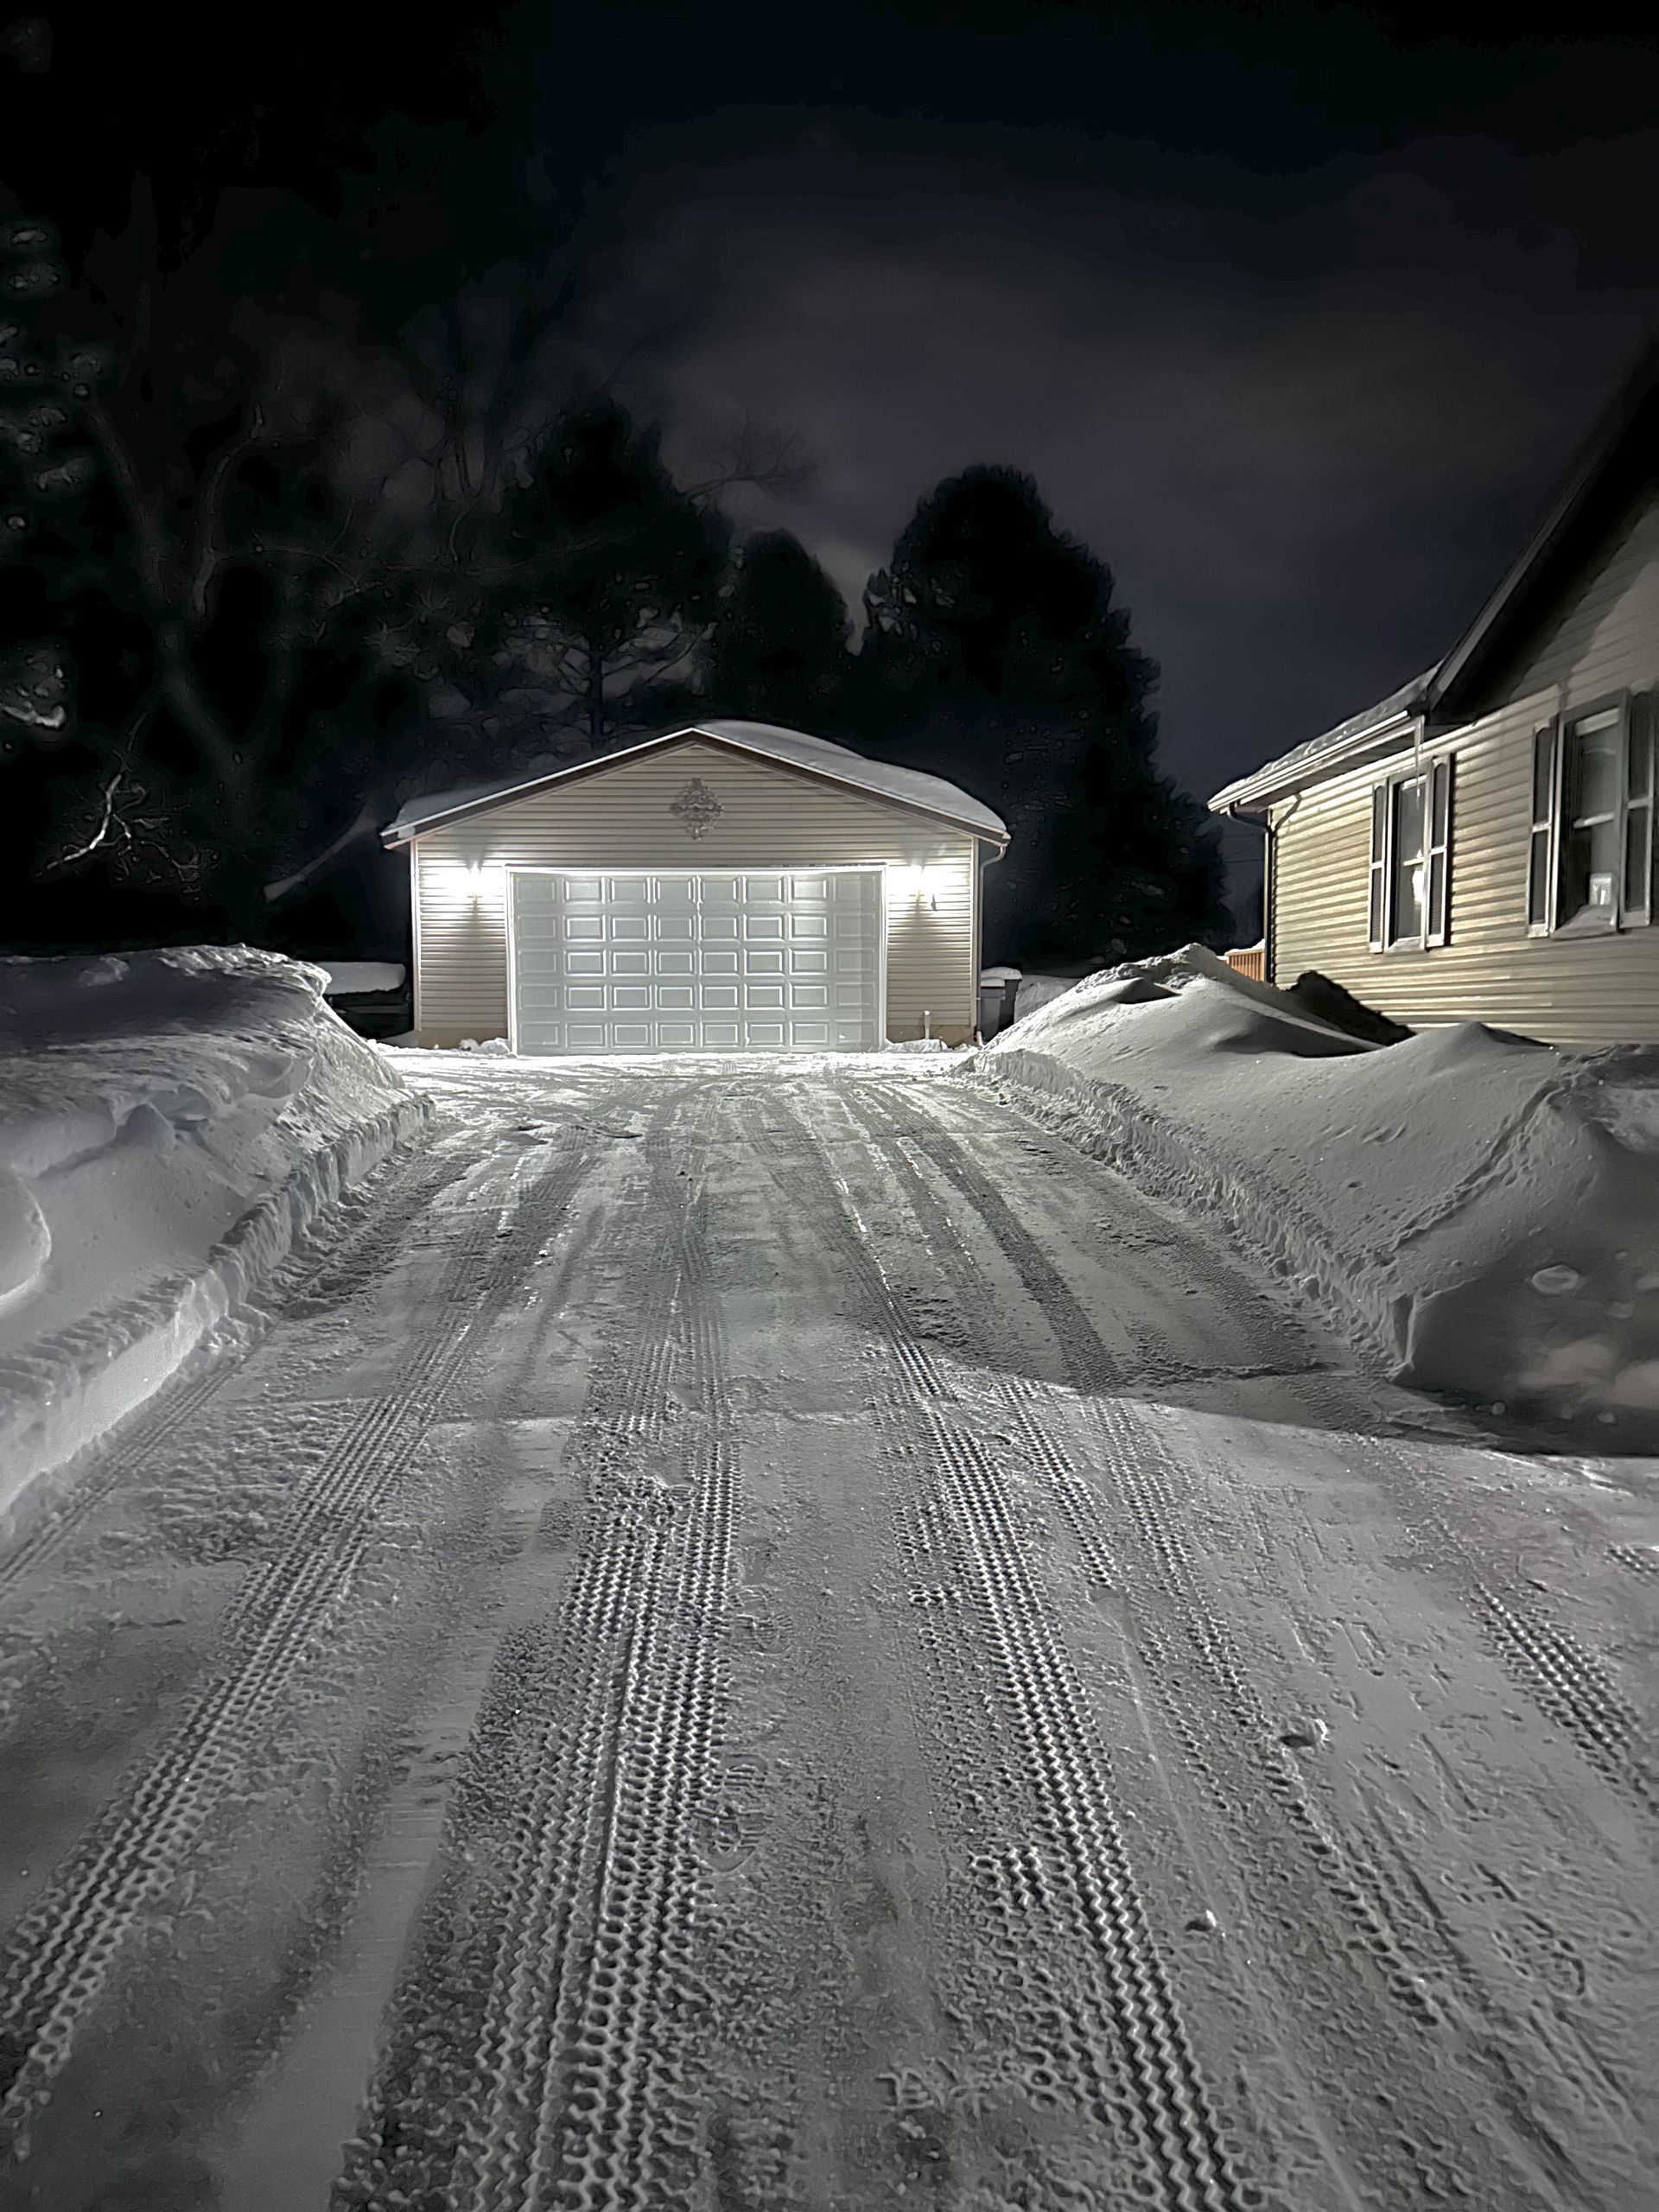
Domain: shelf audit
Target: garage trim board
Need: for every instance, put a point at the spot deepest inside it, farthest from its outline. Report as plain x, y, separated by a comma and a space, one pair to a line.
706, 959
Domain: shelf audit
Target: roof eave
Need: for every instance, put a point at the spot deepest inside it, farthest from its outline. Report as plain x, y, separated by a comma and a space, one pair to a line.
1598, 451
398, 834
1275, 782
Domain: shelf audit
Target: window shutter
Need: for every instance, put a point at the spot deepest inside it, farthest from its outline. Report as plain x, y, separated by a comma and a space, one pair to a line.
1439, 851
1541, 851
1636, 903
1379, 864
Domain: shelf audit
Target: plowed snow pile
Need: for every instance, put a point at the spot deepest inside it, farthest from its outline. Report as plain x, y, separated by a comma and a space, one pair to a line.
1481, 1209
169, 1122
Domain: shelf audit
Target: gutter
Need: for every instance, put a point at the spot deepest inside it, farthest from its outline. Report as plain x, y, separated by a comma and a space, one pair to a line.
1380, 737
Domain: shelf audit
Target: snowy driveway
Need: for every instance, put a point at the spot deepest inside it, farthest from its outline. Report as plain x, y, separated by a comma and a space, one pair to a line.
767, 1639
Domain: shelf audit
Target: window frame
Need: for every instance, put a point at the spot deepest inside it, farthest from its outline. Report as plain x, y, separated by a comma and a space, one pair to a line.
1637, 725
1435, 772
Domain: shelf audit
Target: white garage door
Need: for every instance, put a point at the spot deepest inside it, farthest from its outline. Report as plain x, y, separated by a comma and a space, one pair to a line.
695, 961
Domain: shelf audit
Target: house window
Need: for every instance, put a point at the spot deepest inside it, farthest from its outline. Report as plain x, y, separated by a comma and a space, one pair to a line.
1411, 846
1590, 864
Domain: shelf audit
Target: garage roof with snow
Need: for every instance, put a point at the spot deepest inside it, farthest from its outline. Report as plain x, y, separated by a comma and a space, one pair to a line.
793, 748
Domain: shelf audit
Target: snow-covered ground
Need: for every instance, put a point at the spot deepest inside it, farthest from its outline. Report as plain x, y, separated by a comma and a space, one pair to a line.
170, 1122
1482, 1211
765, 1634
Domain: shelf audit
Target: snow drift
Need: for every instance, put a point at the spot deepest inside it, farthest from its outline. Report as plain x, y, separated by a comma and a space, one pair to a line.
1481, 1211
170, 1123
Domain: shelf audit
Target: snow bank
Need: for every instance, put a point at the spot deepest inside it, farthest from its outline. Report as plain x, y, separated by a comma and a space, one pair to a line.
170, 1123
1033, 991
1481, 1211
346, 976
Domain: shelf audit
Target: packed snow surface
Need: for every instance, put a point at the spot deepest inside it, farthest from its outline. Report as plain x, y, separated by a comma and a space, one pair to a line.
758, 1633
1483, 1209
169, 1122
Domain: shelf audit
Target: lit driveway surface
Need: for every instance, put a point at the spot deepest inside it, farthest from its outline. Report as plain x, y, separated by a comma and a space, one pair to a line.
766, 1636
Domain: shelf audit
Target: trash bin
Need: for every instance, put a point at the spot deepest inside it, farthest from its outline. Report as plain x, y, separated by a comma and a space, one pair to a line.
996, 996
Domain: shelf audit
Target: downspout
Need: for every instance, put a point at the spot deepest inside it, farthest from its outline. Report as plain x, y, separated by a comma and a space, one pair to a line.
986, 860
1262, 818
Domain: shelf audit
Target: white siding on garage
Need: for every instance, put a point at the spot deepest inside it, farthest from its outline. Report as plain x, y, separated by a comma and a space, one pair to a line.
619, 817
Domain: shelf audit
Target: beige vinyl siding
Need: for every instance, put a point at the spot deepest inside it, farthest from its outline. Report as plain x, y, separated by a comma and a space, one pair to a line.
1565, 989
619, 817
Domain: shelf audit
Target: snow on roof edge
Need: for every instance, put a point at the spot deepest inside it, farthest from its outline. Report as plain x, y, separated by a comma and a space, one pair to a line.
1302, 760
819, 755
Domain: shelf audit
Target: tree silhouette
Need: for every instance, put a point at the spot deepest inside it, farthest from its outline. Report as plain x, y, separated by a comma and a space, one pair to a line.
995, 656
616, 569
778, 648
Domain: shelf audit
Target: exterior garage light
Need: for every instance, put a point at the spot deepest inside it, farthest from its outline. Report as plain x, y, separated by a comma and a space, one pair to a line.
916, 883
477, 880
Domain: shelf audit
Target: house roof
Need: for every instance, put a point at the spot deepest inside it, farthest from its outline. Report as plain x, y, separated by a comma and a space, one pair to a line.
1619, 452
793, 748
1390, 717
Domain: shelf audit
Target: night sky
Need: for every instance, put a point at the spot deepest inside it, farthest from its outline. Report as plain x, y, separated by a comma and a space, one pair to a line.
1294, 321
1296, 314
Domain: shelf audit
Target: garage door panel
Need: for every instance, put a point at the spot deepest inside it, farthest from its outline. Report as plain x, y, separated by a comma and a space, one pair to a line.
686, 961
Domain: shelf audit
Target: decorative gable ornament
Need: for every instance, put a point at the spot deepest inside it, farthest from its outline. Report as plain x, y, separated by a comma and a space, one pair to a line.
697, 807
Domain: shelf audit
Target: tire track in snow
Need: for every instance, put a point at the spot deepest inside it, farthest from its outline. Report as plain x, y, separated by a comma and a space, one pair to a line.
1143, 2073
62, 1953
1568, 1683
300, 1283
539, 2053
1140, 1471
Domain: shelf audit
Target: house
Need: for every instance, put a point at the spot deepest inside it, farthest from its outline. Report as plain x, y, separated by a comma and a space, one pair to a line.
730, 887
1479, 845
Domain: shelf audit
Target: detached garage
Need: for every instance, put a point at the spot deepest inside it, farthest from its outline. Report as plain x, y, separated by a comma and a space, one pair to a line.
727, 887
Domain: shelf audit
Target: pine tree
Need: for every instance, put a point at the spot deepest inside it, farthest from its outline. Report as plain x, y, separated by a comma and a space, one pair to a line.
995, 656
779, 649
618, 568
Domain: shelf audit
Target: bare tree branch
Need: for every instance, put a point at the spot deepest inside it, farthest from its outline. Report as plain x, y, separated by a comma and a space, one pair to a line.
207, 555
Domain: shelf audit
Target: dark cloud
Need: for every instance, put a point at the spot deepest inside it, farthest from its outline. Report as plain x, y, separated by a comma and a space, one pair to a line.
1304, 418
